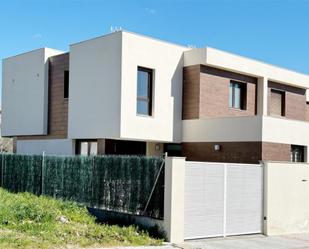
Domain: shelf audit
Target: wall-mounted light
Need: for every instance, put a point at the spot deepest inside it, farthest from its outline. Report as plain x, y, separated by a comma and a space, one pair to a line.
217, 147
157, 147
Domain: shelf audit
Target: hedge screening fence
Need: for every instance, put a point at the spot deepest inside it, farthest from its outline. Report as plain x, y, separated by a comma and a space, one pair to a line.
129, 184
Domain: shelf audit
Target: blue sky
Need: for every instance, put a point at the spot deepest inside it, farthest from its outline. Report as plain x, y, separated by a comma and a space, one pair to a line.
274, 31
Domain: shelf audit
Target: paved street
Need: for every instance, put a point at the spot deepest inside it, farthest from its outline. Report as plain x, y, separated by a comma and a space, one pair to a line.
297, 241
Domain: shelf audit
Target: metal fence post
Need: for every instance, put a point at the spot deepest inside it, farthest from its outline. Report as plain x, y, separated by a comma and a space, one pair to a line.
2, 169
42, 178
224, 199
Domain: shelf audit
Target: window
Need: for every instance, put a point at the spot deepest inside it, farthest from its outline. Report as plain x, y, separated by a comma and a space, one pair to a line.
277, 102
66, 84
86, 147
173, 149
237, 95
297, 153
144, 91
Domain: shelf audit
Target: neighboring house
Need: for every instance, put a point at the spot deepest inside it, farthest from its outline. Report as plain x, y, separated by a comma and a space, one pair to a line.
124, 93
6, 144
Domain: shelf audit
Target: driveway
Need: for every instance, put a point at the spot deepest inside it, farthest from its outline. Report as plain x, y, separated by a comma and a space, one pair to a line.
295, 241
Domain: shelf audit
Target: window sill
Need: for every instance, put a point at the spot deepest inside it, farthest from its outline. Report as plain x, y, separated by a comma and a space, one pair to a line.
144, 116
236, 109
278, 116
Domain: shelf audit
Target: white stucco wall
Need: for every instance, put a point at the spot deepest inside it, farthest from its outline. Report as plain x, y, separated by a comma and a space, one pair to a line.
103, 88
49, 146
174, 198
228, 129
286, 203
281, 130
167, 62
25, 93
242, 129
95, 78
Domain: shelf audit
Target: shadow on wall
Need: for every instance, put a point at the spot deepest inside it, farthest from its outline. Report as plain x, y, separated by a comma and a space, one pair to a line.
176, 90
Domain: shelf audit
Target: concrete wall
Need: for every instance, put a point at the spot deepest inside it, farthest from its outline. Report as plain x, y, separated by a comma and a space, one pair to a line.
286, 198
95, 88
167, 61
25, 93
50, 146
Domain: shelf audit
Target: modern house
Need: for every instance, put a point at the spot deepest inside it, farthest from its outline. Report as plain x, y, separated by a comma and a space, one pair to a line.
125, 93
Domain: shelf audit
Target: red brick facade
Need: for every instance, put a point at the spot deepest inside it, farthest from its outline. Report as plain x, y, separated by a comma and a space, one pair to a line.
295, 101
206, 93
236, 152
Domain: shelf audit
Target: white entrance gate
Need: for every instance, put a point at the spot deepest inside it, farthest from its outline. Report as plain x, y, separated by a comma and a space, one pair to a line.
222, 199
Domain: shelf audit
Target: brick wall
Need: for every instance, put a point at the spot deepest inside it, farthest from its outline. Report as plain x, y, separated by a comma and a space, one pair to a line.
191, 92
236, 152
276, 152
307, 112
206, 93
295, 100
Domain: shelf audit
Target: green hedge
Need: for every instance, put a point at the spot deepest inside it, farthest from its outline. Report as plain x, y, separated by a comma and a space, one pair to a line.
117, 183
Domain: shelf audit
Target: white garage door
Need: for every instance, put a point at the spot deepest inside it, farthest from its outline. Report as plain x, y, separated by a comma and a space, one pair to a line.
222, 199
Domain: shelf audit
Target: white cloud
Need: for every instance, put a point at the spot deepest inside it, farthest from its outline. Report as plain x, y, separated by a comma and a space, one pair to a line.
150, 10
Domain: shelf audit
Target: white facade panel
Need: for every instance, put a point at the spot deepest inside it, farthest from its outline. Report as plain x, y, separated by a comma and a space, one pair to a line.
281, 130
166, 60
229, 129
95, 88
49, 146
25, 93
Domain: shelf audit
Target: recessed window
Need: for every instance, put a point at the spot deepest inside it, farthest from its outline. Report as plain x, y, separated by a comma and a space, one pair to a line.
277, 102
86, 147
297, 153
144, 91
237, 95
66, 84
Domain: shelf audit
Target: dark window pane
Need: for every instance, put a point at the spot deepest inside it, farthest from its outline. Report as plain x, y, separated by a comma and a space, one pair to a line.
66, 84
297, 153
142, 107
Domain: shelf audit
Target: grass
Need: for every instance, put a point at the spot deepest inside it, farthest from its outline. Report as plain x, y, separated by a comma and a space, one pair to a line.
28, 221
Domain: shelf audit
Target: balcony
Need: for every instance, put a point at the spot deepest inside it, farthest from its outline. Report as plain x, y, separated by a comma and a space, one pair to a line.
245, 129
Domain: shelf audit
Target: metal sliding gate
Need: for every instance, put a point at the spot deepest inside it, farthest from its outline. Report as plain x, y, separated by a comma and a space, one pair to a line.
222, 199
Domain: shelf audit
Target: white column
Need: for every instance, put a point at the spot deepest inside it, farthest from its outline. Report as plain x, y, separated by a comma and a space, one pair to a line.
174, 198
262, 95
